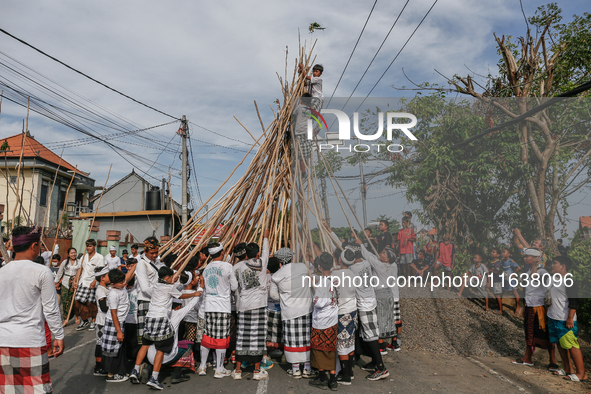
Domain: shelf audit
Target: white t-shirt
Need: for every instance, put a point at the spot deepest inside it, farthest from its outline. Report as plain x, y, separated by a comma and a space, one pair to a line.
252, 283
482, 271
326, 308
112, 262
119, 300
559, 309
272, 304
191, 316
132, 314
161, 302
220, 281
316, 90
28, 299
382, 271
295, 298
299, 119
101, 292
366, 295
146, 274
534, 295
346, 291
88, 267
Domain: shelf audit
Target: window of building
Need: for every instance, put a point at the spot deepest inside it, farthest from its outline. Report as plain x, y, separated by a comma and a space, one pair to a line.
13, 180
43, 197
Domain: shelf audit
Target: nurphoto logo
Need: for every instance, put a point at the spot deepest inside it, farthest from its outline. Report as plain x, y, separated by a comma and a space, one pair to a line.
345, 130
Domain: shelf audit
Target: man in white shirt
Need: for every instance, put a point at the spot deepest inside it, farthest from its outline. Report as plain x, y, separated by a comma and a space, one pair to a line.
536, 334
25, 307
220, 281
85, 286
562, 321
146, 275
134, 252
252, 308
296, 312
112, 260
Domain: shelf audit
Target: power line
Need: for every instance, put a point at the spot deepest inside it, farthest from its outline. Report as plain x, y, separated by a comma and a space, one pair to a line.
85, 75
221, 135
400, 51
376, 54
352, 52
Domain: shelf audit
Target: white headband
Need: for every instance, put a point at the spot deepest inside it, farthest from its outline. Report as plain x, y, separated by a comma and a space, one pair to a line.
215, 250
104, 271
112, 248
344, 259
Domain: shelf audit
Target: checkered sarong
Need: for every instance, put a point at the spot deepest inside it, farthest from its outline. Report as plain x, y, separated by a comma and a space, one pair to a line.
157, 329
110, 345
252, 332
296, 333
386, 322
274, 329
217, 330
305, 148
368, 321
24, 370
396, 311
85, 294
142, 311
346, 333
99, 334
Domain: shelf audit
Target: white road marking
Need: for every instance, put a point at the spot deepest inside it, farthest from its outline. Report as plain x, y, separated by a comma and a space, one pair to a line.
498, 375
262, 386
79, 346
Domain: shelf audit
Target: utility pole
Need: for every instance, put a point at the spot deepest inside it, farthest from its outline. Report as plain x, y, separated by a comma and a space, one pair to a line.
183, 131
363, 193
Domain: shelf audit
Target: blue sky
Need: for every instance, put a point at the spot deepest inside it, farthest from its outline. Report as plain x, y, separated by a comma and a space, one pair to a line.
210, 60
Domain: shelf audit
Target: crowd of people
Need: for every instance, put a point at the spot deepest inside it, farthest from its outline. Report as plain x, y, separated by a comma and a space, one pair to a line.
249, 305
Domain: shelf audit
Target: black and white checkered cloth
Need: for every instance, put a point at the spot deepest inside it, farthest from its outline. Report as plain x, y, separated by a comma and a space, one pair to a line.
368, 322
252, 332
274, 328
110, 345
157, 329
85, 294
142, 311
296, 332
397, 316
386, 321
217, 325
99, 334
305, 148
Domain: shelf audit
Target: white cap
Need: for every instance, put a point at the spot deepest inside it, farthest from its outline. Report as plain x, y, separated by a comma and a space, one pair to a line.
112, 248
532, 252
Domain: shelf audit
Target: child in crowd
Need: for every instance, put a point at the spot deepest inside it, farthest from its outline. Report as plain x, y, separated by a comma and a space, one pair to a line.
480, 271
131, 342
510, 267
102, 292
420, 266
314, 84
445, 256
274, 326
113, 345
347, 307
494, 266
158, 330
407, 238
323, 338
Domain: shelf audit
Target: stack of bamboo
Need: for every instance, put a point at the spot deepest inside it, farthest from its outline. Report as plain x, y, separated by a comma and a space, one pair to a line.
273, 194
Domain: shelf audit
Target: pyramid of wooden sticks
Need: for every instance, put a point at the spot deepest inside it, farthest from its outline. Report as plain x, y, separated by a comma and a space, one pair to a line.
273, 194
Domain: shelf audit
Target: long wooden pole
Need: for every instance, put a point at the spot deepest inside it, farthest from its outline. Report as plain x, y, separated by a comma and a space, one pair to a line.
86, 253
59, 224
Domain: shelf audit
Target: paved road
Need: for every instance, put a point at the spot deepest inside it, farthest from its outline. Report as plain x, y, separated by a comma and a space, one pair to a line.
409, 372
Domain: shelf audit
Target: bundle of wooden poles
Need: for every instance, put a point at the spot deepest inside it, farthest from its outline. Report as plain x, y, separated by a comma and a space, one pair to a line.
273, 194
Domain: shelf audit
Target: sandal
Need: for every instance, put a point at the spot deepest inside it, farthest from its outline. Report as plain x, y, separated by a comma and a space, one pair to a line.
574, 378
560, 372
553, 367
521, 362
